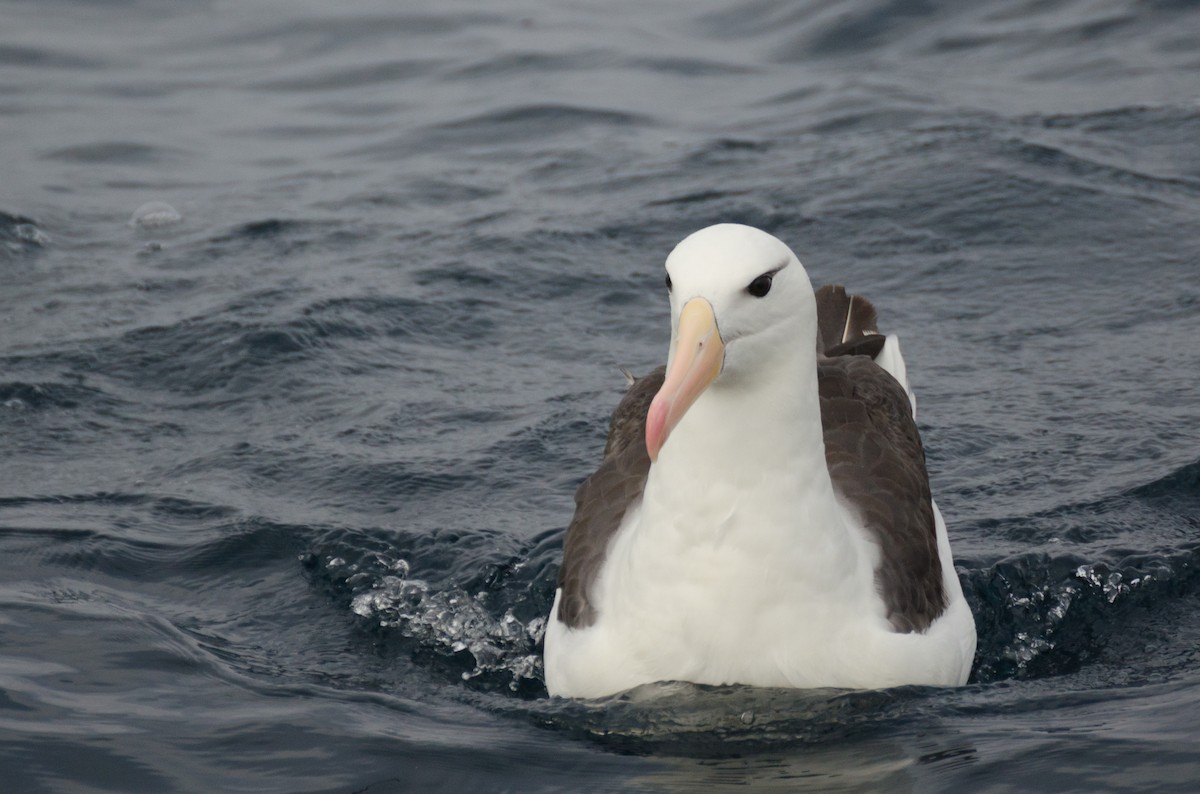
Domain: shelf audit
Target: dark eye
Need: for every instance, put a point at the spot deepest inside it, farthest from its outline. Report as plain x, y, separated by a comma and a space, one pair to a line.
760, 286
668, 282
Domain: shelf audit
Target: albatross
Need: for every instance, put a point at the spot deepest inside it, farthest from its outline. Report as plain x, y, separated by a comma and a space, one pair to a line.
762, 514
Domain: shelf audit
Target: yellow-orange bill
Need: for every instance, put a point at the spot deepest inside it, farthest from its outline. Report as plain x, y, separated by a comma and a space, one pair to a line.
699, 354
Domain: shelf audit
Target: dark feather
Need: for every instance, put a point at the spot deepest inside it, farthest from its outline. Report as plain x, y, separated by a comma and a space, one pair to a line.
603, 498
842, 319
875, 457
877, 464
627, 428
869, 345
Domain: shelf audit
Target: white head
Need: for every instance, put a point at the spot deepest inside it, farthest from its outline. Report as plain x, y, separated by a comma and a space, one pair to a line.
737, 296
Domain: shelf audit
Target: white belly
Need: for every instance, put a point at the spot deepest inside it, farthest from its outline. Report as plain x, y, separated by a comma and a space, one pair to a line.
739, 606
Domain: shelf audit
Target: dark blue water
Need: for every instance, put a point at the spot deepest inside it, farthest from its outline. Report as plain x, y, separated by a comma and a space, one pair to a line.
284, 476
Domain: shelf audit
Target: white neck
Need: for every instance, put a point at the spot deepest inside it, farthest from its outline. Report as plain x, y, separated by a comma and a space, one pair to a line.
747, 449
741, 492
742, 429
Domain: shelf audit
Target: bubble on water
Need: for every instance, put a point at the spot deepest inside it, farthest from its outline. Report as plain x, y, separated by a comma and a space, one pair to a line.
155, 215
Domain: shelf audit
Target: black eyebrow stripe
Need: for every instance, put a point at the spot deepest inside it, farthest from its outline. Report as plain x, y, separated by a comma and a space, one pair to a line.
771, 273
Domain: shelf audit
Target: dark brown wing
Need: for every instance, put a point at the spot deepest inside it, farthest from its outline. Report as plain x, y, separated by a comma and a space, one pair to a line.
875, 457
603, 498
877, 464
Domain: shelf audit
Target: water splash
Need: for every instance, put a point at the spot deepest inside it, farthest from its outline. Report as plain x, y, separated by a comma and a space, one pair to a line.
1045, 607
20, 235
1112, 585
448, 621
1055, 615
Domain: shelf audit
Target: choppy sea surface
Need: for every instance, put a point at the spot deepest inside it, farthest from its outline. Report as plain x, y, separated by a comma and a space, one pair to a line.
286, 457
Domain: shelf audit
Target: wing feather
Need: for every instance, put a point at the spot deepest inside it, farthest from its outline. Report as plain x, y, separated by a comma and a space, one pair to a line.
877, 465
603, 499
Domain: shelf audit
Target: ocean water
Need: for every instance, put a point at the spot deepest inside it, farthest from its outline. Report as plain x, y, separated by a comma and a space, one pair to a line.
313, 314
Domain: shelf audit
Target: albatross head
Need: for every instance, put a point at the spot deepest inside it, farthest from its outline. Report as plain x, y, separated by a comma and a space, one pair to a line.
738, 296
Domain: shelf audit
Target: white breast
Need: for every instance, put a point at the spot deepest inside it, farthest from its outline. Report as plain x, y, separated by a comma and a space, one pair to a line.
727, 609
